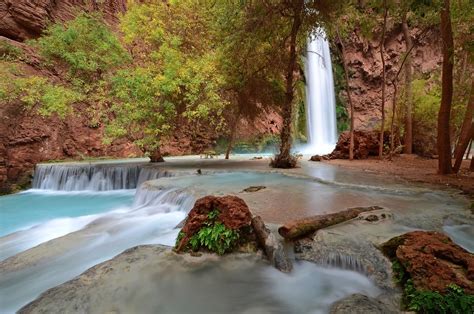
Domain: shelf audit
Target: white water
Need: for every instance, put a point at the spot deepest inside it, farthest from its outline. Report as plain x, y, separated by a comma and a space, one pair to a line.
150, 220
320, 98
93, 177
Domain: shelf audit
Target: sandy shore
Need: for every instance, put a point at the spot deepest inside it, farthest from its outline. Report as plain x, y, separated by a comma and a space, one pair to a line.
414, 169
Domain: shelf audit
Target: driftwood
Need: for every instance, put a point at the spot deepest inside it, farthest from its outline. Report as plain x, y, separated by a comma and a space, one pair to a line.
300, 228
271, 246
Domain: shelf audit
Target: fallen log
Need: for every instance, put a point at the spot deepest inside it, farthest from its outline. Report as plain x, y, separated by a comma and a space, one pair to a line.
271, 246
302, 227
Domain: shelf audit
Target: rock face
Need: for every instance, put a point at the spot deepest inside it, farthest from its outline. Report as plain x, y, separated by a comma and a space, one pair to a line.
233, 214
432, 260
365, 66
27, 139
23, 19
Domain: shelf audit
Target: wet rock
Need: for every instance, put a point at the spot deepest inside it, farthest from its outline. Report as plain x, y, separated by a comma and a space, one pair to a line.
347, 251
302, 227
254, 188
360, 304
376, 215
432, 260
372, 218
273, 248
234, 214
318, 158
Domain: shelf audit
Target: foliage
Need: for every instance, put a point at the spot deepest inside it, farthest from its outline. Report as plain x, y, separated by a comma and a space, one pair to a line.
426, 101
454, 300
9, 52
85, 44
214, 236
342, 115
259, 144
176, 76
423, 301
35, 92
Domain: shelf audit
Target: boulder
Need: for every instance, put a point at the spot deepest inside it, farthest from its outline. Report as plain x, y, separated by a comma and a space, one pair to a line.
360, 304
234, 214
366, 143
432, 260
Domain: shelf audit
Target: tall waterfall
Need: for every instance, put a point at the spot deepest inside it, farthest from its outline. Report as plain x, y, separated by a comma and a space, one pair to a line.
320, 98
106, 177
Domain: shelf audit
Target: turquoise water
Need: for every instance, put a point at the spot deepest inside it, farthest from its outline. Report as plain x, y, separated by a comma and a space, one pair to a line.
26, 209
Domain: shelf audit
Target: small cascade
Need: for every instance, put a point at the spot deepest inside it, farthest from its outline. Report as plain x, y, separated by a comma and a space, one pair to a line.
344, 261
99, 177
320, 97
147, 196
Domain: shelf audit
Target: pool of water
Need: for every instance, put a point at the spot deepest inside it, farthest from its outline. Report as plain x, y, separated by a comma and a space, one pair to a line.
27, 209
53, 236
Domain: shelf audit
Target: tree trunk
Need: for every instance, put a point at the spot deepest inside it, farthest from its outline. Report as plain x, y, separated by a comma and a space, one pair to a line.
408, 136
471, 167
444, 114
306, 226
382, 42
469, 149
466, 132
155, 156
284, 158
348, 89
232, 135
394, 112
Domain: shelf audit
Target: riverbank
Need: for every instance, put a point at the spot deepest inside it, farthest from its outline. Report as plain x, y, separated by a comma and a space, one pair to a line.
413, 169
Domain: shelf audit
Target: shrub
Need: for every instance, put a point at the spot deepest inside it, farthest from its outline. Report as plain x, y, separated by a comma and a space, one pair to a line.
38, 93
9, 52
85, 44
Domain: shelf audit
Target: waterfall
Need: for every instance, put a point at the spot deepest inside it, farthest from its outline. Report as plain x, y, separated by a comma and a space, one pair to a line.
93, 177
320, 98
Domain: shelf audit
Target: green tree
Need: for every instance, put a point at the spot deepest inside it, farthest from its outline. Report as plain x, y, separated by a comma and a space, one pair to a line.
176, 76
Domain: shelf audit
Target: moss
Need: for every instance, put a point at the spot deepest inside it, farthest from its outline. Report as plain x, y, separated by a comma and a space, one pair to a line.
389, 248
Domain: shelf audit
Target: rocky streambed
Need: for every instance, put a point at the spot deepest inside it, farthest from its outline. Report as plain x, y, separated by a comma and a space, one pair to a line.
338, 268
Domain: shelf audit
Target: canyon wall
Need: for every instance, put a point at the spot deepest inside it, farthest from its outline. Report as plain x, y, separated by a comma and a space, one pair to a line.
24, 19
365, 68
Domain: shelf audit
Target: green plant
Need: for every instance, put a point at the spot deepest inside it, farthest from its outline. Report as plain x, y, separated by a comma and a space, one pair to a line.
180, 237
214, 235
454, 300
423, 301
9, 52
37, 93
399, 273
86, 45
342, 115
